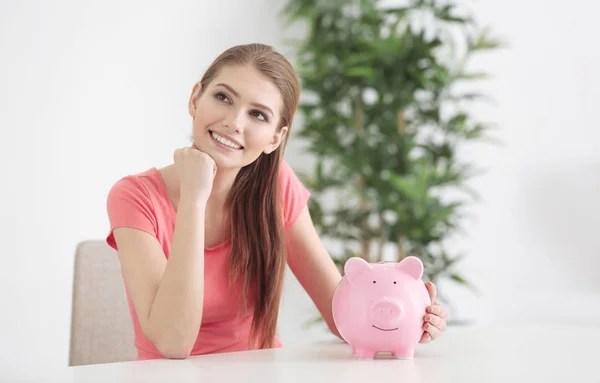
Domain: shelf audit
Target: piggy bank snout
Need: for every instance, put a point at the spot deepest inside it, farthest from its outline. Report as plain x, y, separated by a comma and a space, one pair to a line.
386, 314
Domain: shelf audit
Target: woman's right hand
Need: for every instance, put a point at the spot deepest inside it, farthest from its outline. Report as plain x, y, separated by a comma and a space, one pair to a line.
196, 171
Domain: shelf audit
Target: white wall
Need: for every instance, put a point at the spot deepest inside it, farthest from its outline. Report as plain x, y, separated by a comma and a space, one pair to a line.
533, 241
91, 91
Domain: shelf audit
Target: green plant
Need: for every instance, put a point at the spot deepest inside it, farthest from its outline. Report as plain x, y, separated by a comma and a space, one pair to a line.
384, 118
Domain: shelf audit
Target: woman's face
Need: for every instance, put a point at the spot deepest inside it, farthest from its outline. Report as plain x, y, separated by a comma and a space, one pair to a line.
236, 116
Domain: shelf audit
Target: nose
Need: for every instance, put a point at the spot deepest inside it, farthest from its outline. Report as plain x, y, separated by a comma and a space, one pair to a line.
386, 314
234, 121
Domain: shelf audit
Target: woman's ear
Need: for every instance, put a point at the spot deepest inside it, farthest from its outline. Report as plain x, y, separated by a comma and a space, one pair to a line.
277, 139
196, 92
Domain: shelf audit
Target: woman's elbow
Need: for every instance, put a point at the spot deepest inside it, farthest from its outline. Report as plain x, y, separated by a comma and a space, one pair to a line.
176, 354
173, 350
170, 346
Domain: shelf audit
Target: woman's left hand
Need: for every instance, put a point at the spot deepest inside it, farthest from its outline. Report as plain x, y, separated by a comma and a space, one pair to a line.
435, 319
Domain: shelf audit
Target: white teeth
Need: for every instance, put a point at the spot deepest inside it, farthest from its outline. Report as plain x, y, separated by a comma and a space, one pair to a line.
225, 141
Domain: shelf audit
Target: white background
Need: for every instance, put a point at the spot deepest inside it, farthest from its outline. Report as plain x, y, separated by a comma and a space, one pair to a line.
91, 91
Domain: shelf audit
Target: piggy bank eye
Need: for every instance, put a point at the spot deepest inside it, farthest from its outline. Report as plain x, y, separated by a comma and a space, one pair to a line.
394, 282
374, 281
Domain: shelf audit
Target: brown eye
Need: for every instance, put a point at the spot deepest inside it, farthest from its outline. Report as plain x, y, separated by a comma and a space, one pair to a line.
259, 115
222, 97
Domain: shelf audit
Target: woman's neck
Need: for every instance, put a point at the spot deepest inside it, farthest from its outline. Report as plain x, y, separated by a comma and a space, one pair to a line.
222, 184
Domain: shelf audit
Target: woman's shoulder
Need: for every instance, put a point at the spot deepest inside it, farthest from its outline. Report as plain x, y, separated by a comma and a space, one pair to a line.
287, 173
294, 195
140, 201
144, 184
145, 189
136, 201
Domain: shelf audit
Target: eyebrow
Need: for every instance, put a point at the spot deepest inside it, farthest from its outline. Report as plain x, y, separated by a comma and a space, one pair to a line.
236, 94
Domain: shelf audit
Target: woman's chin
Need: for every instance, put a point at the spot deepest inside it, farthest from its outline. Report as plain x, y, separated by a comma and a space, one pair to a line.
225, 159
224, 163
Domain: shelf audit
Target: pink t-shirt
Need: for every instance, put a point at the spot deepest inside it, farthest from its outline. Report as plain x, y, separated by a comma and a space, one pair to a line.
141, 201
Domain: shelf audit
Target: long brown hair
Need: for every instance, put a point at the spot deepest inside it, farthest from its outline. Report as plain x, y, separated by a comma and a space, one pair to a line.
258, 249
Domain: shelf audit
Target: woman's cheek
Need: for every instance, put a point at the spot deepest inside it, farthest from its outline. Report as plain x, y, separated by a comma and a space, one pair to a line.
254, 140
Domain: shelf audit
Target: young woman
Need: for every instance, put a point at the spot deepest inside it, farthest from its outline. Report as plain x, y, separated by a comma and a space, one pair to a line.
204, 241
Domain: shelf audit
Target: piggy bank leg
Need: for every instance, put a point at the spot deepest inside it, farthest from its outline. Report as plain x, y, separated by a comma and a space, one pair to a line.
404, 353
362, 353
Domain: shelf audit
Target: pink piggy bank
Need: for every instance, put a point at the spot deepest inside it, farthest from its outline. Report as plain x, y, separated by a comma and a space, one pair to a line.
381, 306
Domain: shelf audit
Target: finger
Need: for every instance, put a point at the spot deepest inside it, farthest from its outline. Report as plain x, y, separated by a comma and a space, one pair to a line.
438, 310
433, 331
176, 154
432, 289
436, 321
426, 338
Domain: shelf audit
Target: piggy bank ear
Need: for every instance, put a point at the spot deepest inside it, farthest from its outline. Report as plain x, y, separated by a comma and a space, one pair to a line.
412, 266
354, 267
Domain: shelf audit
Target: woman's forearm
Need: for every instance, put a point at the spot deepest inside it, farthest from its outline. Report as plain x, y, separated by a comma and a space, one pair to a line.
176, 312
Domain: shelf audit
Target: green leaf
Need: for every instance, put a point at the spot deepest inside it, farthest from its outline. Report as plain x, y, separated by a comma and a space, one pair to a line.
473, 76
447, 211
475, 132
445, 14
397, 10
484, 42
457, 278
469, 97
457, 123
361, 71
406, 186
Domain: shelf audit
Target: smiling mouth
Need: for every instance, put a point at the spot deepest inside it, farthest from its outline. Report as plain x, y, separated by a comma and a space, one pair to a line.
385, 329
224, 141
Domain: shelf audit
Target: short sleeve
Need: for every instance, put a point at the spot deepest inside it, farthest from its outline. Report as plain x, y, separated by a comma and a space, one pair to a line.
294, 194
129, 205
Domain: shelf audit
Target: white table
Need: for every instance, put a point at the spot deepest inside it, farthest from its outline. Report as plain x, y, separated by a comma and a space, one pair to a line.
532, 353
